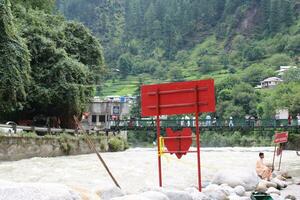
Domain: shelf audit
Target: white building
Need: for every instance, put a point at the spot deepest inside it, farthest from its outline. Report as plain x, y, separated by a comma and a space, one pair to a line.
283, 69
282, 114
270, 82
102, 113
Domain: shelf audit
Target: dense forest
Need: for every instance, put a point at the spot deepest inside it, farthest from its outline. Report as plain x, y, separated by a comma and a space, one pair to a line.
236, 42
48, 66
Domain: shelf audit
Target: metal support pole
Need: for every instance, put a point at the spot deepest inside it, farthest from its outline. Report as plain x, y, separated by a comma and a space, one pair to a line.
158, 138
273, 167
198, 139
281, 146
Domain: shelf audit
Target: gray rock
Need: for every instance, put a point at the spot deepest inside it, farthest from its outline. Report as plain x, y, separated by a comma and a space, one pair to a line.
177, 195
227, 189
280, 183
273, 190
196, 195
239, 190
131, 197
215, 192
154, 195
246, 178
234, 197
291, 197
276, 197
109, 193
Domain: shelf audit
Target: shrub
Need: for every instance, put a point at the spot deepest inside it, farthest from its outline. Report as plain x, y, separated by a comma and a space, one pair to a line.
116, 144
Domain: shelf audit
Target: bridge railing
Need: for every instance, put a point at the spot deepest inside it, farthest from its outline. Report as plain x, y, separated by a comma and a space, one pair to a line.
206, 123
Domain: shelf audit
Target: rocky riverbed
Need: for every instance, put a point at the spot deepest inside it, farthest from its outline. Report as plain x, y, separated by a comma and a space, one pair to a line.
227, 172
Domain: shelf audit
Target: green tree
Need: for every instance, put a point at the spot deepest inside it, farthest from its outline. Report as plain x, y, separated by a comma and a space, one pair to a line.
292, 75
175, 74
66, 63
14, 64
125, 64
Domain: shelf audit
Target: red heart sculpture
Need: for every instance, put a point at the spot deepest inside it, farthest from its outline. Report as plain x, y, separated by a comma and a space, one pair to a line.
180, 145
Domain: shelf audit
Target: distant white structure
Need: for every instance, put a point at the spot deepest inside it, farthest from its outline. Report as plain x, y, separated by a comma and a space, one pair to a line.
282, 114
270, 82
284, 69
102, 113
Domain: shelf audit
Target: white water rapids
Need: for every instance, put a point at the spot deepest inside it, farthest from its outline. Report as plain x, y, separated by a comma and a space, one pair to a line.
137, 168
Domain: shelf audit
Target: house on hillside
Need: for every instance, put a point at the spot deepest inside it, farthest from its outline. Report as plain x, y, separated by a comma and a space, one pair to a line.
270, 82
284, 69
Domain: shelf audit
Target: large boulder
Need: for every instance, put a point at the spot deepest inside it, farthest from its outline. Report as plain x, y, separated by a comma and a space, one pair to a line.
41, 191
273, 190
280, 184
109, 193
177, 195
263, 186
239, 190
131, 197
154, 195
196, 195
244, 177
215, 192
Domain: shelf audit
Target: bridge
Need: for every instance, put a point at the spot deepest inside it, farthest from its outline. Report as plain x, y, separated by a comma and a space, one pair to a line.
148, 124
208, 125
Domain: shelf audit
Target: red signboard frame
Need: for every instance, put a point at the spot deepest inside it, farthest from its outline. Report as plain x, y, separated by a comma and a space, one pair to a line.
178, 98
281, 137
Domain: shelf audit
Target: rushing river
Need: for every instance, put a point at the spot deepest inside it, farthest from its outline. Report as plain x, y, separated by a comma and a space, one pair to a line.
137, 168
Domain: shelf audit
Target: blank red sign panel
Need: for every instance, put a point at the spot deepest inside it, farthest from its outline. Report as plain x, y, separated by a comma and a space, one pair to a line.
178, 98
281, 137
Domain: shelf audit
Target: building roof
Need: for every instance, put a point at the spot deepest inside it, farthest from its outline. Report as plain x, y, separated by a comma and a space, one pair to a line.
272, 79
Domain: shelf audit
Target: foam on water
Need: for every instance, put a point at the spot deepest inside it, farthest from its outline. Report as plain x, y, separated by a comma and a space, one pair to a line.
137, 168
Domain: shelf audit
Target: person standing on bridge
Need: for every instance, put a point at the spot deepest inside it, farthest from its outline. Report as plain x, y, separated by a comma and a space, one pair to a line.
230, 122
298, 119
208, 120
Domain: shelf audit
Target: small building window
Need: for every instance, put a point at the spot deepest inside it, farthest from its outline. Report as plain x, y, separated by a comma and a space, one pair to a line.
101, 118
94, 118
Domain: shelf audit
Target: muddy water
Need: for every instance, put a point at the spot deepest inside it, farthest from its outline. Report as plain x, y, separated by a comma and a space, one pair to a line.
137, 168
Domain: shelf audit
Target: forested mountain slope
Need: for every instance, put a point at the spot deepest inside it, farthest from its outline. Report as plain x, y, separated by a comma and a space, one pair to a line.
236, 42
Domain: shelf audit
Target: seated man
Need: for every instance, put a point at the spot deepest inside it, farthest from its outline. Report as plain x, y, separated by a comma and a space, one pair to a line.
262, 170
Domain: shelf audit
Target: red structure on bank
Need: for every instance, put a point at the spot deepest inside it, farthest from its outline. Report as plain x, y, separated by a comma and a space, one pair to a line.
178, 98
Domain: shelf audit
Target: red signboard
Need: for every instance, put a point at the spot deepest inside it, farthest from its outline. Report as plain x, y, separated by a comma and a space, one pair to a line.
178, 98
281, 137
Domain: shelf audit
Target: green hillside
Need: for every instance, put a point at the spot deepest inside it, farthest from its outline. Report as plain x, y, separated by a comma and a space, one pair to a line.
238, 43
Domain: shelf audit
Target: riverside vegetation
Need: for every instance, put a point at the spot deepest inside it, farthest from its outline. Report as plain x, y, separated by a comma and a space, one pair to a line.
217, 139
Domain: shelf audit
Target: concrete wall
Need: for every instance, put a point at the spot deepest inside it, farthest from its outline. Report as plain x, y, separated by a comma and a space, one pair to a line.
16, 147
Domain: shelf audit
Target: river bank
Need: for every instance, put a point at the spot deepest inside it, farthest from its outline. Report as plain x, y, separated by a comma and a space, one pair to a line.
28, 145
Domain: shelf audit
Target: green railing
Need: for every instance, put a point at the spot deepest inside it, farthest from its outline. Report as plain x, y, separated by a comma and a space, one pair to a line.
207, 123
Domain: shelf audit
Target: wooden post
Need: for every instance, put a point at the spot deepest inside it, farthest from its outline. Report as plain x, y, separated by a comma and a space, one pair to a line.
93, 147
